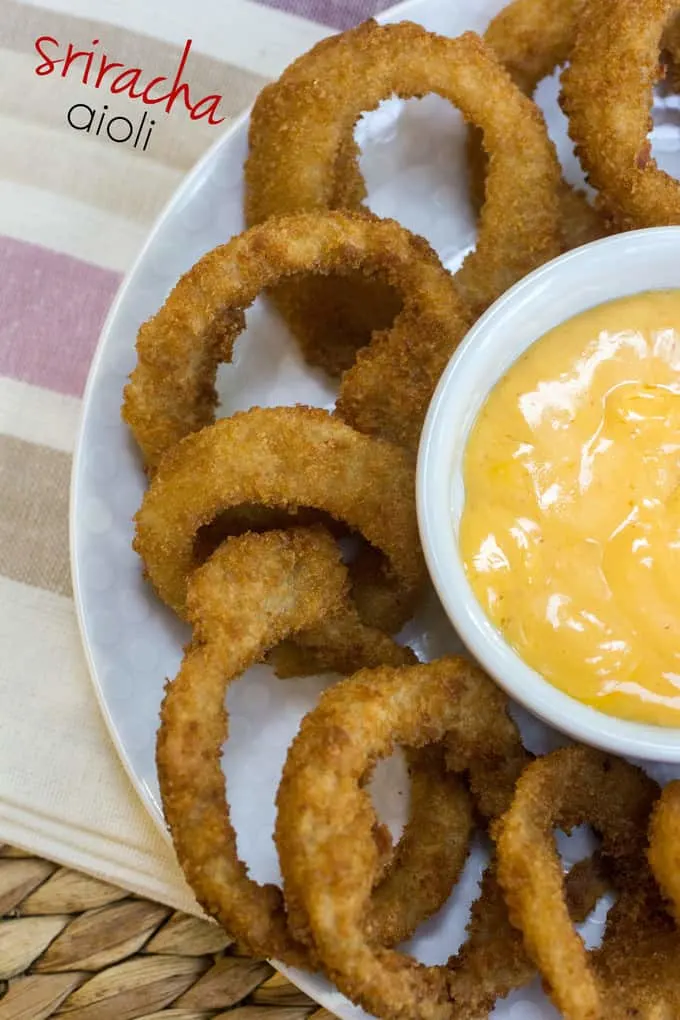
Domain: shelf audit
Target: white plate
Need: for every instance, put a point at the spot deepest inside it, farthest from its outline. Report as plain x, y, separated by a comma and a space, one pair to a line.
132, 642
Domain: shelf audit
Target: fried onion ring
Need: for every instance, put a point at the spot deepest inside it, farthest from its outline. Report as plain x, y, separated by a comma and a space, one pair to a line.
567, 788
278, 582
284, 458
607, 96
664, 845
637, 964
430, 854
493, 961
333, 317
255, 591
531, 38
325, 823
300, 139
171, 392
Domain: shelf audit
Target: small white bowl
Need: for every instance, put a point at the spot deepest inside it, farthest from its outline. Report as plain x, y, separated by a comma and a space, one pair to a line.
603, 271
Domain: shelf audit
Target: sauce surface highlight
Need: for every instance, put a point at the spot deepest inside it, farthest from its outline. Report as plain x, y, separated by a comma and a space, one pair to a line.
570, 534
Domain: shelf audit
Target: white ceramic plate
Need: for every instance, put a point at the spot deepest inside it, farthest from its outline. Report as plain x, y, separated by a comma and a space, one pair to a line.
414, 164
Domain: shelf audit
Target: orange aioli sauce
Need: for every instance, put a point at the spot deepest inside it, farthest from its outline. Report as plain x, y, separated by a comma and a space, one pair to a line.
570, 534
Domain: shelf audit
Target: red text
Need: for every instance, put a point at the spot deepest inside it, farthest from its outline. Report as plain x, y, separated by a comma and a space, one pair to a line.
99, 71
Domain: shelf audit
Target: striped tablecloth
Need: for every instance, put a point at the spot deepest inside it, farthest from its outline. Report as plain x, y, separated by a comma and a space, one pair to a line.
75, 207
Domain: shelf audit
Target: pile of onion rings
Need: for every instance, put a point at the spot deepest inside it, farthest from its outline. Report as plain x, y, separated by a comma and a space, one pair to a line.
302, 158
171, 392
281, 583
607, 95
523, 919
238, 534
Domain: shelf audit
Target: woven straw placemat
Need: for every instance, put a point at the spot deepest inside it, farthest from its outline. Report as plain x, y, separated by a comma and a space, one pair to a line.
75, 947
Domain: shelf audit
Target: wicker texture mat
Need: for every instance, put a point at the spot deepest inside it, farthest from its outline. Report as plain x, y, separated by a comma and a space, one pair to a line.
74, 947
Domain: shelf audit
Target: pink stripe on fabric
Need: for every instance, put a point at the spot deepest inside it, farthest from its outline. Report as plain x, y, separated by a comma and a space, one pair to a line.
340, 14
52, 307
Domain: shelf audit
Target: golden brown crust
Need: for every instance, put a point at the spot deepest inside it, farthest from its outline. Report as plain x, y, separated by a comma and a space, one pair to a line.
171, 391
431, 852
607, 96
333, 317
567, 788
284, 458
342, 644
531, 38
324, 830
637, 964
255, 591
302, 124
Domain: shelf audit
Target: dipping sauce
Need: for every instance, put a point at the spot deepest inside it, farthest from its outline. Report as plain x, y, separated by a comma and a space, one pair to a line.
570, 533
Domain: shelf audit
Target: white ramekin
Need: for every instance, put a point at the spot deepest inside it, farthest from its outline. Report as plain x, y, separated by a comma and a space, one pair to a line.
602, 271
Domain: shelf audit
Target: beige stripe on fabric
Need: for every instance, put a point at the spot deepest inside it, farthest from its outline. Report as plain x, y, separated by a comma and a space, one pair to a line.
34, 492
108, 179
69, 226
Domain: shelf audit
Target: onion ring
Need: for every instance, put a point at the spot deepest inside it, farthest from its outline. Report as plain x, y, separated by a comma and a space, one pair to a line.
280, 582
531, 38
664, 845
284, 458
564, 789
607, 96
487, 747
333, 317
300, 136
483, 742
493, 961
255, 591
430, 854
171, 391
325, 822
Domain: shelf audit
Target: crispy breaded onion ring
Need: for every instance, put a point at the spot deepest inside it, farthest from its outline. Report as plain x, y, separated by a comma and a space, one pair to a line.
488, 748
278, 582
607, 96
254, 592
531, 38
430, 854
332, 317
664, 845
286, 457
302, 124
567, 788
171, 392
324, 829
